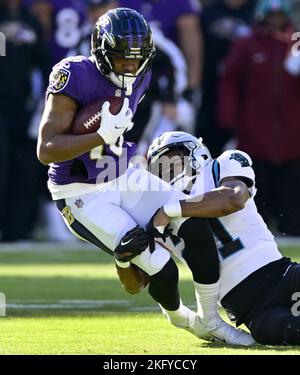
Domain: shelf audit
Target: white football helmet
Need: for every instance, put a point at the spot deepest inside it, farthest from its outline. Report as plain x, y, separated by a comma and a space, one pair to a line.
198, 154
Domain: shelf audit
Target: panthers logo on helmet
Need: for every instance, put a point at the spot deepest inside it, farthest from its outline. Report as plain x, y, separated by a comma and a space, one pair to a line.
240, 158
59, 79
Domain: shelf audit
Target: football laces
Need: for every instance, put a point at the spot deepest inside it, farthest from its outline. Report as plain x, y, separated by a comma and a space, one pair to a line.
91, 121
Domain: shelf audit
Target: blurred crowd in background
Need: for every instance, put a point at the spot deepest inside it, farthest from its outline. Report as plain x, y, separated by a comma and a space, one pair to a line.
225, 70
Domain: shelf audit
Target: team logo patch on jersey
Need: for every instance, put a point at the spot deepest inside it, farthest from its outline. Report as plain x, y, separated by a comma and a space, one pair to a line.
79, 203
240, 158
68, 215
59, 79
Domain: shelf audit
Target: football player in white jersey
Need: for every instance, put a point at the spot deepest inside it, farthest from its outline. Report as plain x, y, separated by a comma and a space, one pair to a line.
257, 284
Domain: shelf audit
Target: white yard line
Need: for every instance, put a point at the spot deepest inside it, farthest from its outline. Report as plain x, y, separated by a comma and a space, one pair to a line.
17, 247
65, 304
80, 304
288, 241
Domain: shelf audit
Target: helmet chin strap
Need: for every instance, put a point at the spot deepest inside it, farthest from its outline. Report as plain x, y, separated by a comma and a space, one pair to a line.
124, 82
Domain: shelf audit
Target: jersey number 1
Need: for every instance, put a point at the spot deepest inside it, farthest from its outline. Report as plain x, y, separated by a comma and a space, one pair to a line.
229, 244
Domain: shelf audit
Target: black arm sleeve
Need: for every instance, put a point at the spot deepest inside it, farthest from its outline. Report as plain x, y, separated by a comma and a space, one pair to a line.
200, 251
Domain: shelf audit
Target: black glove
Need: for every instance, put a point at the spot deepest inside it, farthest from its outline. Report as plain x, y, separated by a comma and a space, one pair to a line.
132, 244
153, 233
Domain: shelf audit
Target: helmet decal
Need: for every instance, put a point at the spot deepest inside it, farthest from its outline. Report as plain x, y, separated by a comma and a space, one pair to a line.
109, 38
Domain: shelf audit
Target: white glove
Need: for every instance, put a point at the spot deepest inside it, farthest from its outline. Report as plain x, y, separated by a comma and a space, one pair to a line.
114, 126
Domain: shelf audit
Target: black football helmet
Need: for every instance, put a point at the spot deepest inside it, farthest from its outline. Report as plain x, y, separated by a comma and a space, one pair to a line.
122, 32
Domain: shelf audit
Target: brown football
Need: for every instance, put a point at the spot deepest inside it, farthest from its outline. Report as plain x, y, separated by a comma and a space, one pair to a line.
88, 118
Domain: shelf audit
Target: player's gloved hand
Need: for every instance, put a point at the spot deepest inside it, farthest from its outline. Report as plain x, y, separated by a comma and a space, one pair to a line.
114, 126
132, 244
157, 232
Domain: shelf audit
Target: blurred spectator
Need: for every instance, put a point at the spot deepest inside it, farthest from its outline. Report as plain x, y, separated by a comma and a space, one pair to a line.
179, 22
25, 49
259, 99
43, 11
95, 9
222, 22
62, 21
296, 13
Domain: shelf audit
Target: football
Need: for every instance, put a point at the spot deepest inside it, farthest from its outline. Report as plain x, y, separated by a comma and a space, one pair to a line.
88, 118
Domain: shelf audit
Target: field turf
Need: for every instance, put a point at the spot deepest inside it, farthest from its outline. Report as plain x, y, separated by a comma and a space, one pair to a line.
63, 301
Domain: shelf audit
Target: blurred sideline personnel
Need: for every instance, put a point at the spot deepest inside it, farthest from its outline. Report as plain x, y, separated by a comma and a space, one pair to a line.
257, 284
62, 19
25, 50
102, 200
222, 22
178, 21
265, 117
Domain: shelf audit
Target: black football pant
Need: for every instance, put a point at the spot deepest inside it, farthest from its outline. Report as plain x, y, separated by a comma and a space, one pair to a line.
278, 195
278, 320
201, 256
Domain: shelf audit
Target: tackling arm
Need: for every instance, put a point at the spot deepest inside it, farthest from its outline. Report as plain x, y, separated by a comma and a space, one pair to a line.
230, 197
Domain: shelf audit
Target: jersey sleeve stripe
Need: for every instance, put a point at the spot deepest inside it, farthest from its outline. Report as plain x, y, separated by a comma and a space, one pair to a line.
216, 172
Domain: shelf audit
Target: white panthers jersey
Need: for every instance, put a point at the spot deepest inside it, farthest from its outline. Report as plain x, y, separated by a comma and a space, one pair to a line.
243, 240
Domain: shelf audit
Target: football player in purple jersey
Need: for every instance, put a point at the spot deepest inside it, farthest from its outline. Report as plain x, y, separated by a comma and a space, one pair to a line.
102, 199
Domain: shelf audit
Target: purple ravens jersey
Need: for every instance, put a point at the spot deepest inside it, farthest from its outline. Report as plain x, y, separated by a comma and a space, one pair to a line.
163, 13
79, 78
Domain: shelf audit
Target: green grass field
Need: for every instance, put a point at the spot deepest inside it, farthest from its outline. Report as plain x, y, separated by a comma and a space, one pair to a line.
71, 302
